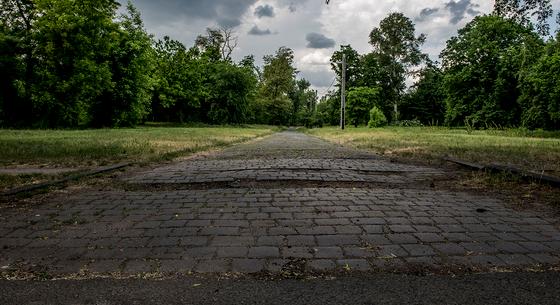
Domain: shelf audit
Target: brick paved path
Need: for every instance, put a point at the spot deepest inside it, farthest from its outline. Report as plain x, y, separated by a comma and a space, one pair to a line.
396, 222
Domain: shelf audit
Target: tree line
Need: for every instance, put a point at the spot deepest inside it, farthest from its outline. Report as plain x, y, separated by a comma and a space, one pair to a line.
501, 70
79, 63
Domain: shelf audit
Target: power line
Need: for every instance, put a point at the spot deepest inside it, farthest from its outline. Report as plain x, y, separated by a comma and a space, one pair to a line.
327, 91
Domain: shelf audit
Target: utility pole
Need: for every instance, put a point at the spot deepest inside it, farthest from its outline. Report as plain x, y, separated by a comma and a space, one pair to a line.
343, 94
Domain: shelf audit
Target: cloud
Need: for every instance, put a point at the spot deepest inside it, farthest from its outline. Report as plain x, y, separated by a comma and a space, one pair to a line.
425, 13
228, 22
460, 9
319, 41
255, 30
224, 12
264, 11
292, 5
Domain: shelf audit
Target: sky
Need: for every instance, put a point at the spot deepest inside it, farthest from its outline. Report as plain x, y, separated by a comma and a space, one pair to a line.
311, 28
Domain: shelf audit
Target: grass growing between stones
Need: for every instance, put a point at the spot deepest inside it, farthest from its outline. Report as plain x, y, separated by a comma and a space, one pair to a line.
537, 151
92, 148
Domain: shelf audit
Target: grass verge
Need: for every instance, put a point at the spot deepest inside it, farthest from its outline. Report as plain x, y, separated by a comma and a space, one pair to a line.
92, 148
535, 151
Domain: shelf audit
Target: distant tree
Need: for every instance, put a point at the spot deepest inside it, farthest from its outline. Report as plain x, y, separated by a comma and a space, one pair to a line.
217, 43
178, 88
279, 73
360, 101
353, 65
398, 51
540, 90
481, 67
304, 101
425, 101
328, 109
230, 90
522, 11
278, 80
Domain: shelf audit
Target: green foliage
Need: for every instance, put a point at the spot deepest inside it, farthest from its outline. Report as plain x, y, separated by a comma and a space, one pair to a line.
522, 11
303, 103
353, 65
74, 64
360, 101
481, 71
397, 49
75, 41
281, 99
231, 87
409, 123
127, 102
178, 88
328, 109
425, 101
540, 98
12, 70
376, 118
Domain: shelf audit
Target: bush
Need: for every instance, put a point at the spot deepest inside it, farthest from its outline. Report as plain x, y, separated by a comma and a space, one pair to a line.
376, 118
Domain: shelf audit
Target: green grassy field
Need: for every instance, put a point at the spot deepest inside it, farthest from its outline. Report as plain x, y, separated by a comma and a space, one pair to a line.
99, 147
537, 151
90, 148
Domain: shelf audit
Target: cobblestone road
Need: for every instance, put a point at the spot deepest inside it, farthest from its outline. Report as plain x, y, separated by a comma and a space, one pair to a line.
399, 223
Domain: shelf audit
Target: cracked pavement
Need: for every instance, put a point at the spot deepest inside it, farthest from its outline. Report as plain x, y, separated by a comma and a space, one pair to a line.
399, 223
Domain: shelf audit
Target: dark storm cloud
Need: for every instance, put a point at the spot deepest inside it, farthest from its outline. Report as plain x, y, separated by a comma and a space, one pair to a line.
255, 30
264, 11
224, 12
460, 9
228, 22
319, 41
425, 13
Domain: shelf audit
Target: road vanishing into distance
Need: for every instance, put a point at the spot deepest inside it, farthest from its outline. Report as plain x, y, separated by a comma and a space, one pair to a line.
287, 219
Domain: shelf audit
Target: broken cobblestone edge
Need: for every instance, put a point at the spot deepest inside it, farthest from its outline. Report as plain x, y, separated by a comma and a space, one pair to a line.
499, 168
34, 187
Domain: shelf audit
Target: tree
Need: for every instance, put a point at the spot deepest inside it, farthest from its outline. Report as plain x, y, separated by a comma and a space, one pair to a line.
178, 89
521, 11
304, 101
230, 90
127, 102
17, 61
353, 65
481, 67
540, 90
398, 50
328, 109
217, 44
426, 100
360, 101
74, 43
279, 72
278, 80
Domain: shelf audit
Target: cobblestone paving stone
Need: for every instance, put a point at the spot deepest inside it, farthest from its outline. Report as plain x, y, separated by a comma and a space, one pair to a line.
263, 229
